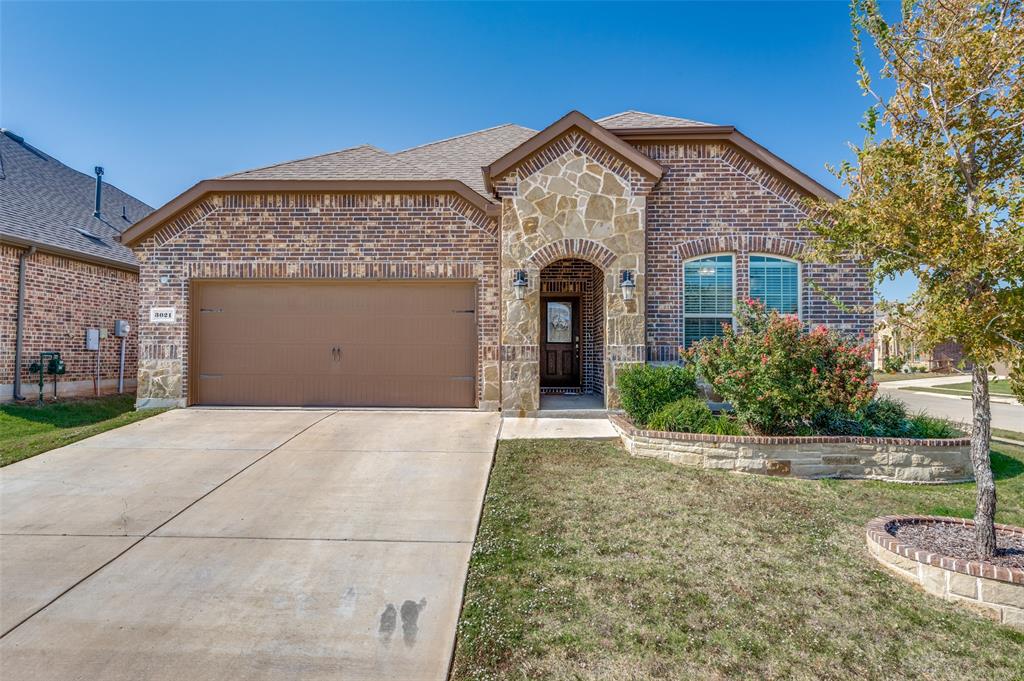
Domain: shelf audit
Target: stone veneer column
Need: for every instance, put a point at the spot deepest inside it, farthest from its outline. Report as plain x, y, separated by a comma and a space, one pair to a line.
573, 207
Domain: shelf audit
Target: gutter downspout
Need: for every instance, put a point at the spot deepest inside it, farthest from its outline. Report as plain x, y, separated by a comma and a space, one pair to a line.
19, 329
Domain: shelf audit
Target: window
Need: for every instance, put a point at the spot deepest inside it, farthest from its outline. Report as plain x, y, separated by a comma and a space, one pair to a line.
776, 283
707, 297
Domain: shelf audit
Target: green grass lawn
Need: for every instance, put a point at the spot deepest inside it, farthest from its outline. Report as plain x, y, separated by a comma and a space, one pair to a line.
885, 378
590, 564
27, 429
997, 387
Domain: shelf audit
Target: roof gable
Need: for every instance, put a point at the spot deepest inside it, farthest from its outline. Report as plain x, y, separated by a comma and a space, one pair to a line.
573, 119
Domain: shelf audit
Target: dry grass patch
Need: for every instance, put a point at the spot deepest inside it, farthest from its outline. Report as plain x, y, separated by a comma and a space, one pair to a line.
590, 564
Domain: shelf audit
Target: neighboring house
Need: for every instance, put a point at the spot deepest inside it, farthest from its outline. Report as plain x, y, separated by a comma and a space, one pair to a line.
62, 251
476, 271
891, 342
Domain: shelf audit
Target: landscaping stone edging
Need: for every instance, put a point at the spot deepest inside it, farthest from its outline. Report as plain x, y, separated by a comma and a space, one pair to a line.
991, 590
909, 460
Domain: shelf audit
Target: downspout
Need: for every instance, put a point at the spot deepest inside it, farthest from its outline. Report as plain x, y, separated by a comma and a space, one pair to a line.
19, 329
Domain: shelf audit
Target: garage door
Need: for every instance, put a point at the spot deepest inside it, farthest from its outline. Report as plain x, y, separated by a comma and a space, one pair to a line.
388, 344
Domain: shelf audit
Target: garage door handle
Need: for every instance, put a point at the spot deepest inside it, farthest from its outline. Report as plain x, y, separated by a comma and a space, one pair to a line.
336, 353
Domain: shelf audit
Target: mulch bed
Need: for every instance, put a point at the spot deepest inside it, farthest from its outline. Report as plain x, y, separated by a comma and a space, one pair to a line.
957, 541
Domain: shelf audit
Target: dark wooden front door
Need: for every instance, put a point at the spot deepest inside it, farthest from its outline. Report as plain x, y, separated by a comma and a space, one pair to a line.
560, 342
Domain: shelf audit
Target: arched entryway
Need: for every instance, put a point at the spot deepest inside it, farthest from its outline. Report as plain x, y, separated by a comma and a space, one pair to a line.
572, 330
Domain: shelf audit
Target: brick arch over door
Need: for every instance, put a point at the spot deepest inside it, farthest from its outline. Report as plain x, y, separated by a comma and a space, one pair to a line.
584, 249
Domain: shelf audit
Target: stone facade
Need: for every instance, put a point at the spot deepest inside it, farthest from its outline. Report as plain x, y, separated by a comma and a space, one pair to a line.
892, 459
64, 297
572, 200
992, 591
312, 237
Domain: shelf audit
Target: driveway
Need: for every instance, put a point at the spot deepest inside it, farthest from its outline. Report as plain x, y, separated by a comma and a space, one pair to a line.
243, 544
959, 409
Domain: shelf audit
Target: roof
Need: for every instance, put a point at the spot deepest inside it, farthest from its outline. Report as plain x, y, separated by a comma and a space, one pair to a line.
460, 158
640, 119
364, 162
573, 119
47, 204
463, 165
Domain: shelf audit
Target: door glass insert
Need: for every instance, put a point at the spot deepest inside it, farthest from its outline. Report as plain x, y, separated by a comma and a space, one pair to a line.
559, 322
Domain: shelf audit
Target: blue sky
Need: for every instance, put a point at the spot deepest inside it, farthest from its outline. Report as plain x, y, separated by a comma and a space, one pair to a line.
165, 94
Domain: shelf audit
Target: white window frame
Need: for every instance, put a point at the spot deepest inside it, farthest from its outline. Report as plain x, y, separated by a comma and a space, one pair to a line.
700, 315
799, 279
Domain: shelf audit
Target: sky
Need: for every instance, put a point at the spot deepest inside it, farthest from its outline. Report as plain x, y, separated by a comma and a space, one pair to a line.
164, 94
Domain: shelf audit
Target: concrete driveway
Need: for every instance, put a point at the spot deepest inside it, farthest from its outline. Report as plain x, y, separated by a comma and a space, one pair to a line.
243, 544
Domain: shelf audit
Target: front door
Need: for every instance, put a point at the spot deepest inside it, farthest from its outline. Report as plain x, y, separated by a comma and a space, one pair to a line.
560, 343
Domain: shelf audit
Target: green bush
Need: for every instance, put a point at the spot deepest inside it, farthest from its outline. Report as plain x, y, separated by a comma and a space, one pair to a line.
777, 375
893, 365
924, 426
724, 425
644, 389
688, 415
884, 417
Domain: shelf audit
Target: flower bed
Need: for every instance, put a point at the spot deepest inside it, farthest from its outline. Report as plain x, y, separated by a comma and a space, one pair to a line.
819, 456
994, 590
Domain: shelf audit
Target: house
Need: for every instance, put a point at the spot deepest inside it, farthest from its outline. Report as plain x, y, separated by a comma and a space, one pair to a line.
894, 347
64, 271
477, 271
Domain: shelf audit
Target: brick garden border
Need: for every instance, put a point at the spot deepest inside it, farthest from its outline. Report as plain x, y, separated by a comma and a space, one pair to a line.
895, 459
992, 590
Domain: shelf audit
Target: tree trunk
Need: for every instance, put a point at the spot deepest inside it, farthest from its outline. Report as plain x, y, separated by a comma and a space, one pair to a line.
981, 433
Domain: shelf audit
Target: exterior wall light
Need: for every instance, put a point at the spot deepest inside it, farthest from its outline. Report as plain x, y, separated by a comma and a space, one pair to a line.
628, 284
519, 284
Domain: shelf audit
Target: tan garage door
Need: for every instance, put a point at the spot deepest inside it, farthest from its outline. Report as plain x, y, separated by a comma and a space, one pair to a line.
379, 343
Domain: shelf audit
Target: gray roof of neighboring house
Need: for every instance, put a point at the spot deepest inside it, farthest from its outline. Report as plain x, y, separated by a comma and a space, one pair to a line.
45, 203
639, 119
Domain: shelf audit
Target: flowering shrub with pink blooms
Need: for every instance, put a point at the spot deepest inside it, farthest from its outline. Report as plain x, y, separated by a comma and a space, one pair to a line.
778, 376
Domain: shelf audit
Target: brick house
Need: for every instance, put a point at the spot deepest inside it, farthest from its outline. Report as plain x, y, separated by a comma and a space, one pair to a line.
478, 271
62, 251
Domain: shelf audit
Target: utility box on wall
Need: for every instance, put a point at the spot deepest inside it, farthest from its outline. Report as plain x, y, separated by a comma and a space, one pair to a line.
92, 339
122, 328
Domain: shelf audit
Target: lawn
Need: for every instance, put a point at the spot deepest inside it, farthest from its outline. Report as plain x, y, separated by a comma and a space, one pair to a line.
997, 387
590, 564
27, 429
885, 378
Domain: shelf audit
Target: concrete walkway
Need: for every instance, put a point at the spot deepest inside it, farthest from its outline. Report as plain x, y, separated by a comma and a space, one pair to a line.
546, 427
243, 544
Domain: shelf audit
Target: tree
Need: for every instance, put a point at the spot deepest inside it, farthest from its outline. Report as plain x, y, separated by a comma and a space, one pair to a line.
936, 189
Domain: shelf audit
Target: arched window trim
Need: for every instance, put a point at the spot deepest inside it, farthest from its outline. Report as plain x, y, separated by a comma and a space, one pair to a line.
732, 298
799, 278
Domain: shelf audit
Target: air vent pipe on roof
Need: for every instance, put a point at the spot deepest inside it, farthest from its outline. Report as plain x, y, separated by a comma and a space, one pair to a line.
99, 190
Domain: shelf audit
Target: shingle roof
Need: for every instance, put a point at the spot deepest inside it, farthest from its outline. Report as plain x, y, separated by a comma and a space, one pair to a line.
46, 203
639, 119
462, 157
364, 162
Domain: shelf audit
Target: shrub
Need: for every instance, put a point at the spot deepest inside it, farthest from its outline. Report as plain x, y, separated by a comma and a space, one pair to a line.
644, 389
688, 415
884, 417
832, 422
724, 425
924, 426
892, 365
778, 376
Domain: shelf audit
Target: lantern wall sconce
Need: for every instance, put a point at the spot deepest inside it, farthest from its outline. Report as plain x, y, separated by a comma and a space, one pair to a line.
519, 284
628, 284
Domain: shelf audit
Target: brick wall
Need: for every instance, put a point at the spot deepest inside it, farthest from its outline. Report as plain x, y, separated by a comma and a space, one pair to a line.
712, 199
64, 297
312, 236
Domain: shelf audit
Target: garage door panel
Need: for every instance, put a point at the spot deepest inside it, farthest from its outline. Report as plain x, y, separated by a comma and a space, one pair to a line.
400, 344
